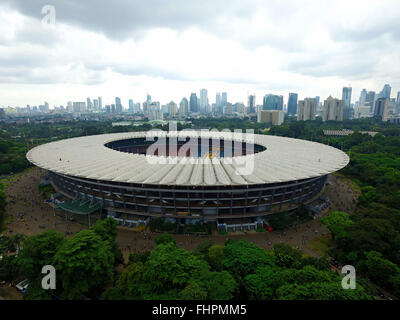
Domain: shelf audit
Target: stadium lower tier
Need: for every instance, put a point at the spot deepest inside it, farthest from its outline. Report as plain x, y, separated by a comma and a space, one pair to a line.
207, 203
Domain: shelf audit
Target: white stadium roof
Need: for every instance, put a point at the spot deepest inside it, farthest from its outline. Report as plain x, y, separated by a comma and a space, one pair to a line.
285, 159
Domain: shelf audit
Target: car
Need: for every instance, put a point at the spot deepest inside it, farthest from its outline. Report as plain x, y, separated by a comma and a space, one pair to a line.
23, 285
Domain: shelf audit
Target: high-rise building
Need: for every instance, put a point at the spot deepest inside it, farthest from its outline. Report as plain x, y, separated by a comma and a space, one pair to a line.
382, 108
131, 106
370, 100
317, 99
398, 103
363, 97
100, 103
272, 102
307, 109
292, 104
193, 103
218, 100
118, 105
172, 109
333, 109
224, 100
251, 104
79, 106
203, 101
184, 107
385, 93
346, 97
96, 104
148, 99
89, 104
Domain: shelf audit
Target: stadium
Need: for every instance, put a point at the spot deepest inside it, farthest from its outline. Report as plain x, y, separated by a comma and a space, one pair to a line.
187, 176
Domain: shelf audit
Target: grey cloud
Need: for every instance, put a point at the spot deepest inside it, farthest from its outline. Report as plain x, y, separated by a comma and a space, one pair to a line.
124, 18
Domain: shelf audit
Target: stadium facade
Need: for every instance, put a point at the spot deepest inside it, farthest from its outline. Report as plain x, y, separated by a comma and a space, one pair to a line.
192, 176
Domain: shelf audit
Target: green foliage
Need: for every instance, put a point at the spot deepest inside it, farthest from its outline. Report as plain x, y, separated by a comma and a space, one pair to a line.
106, 229
38, 251
202, 249
165, 238
3, 203
243, 257
84, 264
381, 270
215, 257
130, 280
287, 256
337, 222
169, 269
136, 257
9, 268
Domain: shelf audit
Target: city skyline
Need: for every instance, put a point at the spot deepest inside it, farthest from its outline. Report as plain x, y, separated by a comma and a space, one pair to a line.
235, 49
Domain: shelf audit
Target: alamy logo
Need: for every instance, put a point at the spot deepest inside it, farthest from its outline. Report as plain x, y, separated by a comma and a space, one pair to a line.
49, 13
349, 280
49, 280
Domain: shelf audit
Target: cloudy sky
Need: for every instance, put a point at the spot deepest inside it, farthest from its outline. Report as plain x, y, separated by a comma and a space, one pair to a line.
170, 48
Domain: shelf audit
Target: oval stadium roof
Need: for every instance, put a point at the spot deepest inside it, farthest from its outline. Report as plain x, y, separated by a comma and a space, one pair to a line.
285, 159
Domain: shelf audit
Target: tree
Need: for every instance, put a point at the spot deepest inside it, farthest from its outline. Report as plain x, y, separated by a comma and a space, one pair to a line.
84, 264
242, 258
164, 239
381, 270
193, 291
219, 285
107, 230
336, 222
129, 281
169, 270
287, 256
215, 256
262, 284
38, 251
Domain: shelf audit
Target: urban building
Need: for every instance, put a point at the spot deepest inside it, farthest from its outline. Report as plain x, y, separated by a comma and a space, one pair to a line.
382, 108
193, 103
274, 117
307, 109
333, 109
346, 97
292, 104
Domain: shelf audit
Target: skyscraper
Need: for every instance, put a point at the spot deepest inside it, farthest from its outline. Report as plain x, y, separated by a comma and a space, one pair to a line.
118, 105
224, 100
193, 103
363, 97
292, 104
184, 107
398, 103
251, 104
307, 109
131, 106
346, 97
385, 93
203, 101
382, 108
272, 102
100, 103
88, 104
333, 110
370, 100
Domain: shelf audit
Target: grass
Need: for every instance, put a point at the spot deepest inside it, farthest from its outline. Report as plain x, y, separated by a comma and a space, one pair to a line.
321, 244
